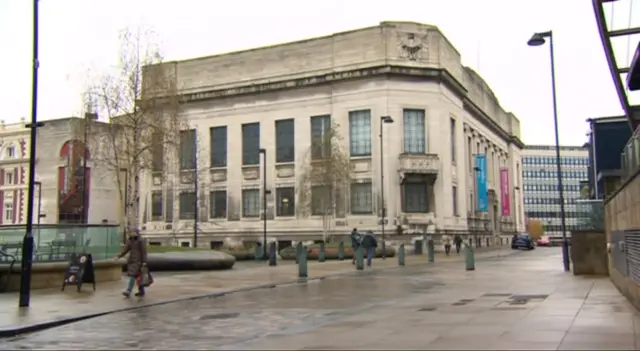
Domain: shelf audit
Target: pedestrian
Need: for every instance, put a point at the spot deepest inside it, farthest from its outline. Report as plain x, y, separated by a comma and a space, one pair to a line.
137, 249
457, 240
446, 241
356, 240
370, 244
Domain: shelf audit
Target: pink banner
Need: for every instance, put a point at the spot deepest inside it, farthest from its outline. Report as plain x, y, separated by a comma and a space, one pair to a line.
504, 192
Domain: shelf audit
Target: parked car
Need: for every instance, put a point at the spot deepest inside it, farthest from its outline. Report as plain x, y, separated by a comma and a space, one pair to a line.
543, 241
522, 241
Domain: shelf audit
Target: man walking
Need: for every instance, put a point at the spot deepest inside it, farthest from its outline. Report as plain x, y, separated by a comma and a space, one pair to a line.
457, 240
446, 240
356, 240
370, 244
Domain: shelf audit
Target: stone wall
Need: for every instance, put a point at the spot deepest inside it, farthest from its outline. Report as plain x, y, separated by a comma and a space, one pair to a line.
589, 253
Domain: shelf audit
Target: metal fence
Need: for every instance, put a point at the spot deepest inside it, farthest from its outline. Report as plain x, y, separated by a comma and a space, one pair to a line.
55, 243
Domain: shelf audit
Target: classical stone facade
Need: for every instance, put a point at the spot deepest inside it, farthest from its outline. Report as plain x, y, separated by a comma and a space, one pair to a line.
278, 98
58, 176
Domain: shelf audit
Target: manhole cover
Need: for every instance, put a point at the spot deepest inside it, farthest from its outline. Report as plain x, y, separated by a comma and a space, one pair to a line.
497, 295
427, 309
207, 317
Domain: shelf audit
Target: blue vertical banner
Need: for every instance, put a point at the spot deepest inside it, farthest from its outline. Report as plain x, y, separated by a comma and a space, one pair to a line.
481, 181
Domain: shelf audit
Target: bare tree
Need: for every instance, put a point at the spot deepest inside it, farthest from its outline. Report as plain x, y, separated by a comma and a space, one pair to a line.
142, 118
324, 179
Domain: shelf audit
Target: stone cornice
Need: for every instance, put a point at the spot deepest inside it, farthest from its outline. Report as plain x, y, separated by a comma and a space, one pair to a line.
426, 74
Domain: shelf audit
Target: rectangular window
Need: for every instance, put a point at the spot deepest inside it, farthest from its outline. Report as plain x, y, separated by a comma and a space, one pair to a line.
250, 203
360, 133
8, 212
188, 149
156, 206
470, 154
454, 196
285, 141
320, 137
414, 194
157, 152
218, 204
321, 196
9, 177
414, 131
218, 136
452, 134
361, 198
286, 198
251, 144
187, 205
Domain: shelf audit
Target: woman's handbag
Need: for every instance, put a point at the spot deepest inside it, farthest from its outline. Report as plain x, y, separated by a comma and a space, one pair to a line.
145, 278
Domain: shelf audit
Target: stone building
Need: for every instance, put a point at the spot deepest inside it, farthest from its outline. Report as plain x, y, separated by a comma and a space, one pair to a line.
278, 98
60, 176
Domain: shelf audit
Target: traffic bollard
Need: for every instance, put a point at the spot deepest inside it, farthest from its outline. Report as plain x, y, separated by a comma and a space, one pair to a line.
469, 259
273, 254
401, 255
341, 251
321, 255
431, 251
359, 259
298, 249
302, 264
417, 247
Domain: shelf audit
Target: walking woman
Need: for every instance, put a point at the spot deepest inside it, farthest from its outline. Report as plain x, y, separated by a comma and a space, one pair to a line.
137, 250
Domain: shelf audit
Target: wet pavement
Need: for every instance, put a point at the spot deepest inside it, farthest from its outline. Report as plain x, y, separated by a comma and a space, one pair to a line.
521, 301
53, 305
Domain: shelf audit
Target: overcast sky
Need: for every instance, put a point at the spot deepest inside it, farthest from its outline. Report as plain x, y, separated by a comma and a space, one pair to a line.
491, 35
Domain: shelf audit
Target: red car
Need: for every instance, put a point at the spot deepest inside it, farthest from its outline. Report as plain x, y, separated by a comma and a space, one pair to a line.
544, 241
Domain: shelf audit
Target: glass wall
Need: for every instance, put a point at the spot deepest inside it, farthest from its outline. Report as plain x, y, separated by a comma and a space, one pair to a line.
56, 243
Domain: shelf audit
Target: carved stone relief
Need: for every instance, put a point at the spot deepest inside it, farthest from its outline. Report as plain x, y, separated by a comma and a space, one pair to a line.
285, 171
413, 46
251, 173
218, 175
361, 166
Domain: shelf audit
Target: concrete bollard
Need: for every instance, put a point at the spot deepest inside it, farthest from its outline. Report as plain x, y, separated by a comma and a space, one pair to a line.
341, 251
302, 264
401, 255
431, 251
359, 259
257, 252
273, 254
488, 242
417, 247
469, 259
298, 248
321, 255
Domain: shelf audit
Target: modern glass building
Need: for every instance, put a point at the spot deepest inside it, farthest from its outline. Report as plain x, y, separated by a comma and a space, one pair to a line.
540, 186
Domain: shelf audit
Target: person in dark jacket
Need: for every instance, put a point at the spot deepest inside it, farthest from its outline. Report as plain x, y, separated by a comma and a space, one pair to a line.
457, 241
137, 249
356, 240
370, 244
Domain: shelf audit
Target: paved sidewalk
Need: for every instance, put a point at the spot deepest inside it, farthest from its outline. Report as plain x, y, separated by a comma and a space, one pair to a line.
51, 307
522, 301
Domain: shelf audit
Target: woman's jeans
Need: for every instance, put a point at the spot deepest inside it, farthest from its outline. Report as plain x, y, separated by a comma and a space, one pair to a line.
131, 282
370, 252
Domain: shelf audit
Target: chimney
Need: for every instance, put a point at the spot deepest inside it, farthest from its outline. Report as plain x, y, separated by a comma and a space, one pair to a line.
91, 115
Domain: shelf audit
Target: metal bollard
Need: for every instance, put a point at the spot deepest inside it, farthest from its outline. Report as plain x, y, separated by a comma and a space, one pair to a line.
359, 259
469, 259
341, 251
321, 255
298, 249
302, 264
417, 247
431, 251
273, 254
401, 255
257, 252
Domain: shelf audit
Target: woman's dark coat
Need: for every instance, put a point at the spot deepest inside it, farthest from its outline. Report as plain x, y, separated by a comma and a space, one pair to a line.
137, 250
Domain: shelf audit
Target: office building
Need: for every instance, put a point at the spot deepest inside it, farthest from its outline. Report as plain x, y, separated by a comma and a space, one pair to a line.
274, 106
540, 187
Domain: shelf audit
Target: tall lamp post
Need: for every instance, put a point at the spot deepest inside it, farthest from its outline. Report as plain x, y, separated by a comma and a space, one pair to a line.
536, 40
27, 242
196, 189
263, 152
383, 120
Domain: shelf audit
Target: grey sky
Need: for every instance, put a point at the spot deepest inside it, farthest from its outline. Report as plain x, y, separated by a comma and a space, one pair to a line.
82, 35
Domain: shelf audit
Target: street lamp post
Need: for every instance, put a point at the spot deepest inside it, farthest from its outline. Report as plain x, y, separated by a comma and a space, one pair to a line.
536, 40
263, 152
27, 242
383, 120
196, 189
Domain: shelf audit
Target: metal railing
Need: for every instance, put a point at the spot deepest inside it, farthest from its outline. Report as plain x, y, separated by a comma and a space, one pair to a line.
55, 243
630, 158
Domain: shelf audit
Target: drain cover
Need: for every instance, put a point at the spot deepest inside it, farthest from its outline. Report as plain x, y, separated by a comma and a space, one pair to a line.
497, 295
207, 317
